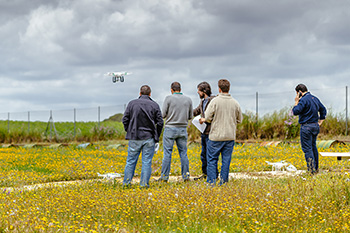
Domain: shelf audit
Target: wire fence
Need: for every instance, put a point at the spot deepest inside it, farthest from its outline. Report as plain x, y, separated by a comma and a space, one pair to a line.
335, 99
96, 114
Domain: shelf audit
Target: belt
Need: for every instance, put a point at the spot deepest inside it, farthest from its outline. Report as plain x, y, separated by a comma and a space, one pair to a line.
314, 123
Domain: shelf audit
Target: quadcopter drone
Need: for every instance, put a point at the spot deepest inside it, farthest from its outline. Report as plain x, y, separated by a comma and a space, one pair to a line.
118, 76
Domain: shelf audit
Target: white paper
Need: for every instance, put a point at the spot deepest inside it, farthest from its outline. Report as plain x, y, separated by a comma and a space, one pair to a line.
199, 126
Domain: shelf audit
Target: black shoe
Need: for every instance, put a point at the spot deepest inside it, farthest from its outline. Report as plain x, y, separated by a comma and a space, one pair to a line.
202, 177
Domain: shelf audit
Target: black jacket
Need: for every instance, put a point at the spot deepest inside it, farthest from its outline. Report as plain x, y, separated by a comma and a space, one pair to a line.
143, 119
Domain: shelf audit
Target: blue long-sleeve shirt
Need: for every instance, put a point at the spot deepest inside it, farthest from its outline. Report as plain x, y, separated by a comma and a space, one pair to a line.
143, 119
310, 109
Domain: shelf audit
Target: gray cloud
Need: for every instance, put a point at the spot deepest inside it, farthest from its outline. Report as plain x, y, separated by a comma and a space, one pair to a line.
54, 53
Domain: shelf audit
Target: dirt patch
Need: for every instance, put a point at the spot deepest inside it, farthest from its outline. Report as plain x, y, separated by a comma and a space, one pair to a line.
172, 179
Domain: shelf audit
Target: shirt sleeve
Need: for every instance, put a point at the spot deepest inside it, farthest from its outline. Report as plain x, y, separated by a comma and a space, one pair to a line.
165, 108
126, 118
322, 110
209, 113
197, 110
159, 122
190, 111
298, 108
239, 115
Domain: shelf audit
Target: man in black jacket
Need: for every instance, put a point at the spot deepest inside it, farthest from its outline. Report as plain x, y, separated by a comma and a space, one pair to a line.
143, 123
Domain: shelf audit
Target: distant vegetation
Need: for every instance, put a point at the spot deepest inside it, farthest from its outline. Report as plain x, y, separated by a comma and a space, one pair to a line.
62, 132
280, 125
117, 117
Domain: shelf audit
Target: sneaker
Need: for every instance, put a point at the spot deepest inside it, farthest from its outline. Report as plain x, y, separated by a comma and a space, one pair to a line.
202, 177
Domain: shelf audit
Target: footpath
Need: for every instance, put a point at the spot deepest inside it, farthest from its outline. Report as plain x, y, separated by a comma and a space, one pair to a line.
136, 180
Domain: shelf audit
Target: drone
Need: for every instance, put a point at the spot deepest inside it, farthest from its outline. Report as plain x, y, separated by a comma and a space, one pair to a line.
109, 175
118, 76
282, 166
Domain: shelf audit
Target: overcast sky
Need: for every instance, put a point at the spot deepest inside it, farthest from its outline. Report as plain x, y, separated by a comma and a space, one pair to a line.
54, 54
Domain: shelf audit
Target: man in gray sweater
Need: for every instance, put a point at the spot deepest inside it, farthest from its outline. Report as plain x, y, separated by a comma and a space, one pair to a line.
177, 111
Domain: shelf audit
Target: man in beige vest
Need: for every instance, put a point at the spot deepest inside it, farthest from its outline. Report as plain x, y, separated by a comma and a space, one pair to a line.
224, 113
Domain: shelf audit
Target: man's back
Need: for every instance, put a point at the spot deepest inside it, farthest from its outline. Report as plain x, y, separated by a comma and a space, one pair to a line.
142, 119
309, 108
177, 109
224, 113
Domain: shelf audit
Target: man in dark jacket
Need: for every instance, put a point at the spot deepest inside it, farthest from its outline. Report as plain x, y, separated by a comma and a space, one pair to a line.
204, 92
143, 123
311, 115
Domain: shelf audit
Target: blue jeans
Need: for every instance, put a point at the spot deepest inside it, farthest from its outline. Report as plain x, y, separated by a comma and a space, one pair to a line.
178, 135
214, 150
204, 140
308, 136
134, 150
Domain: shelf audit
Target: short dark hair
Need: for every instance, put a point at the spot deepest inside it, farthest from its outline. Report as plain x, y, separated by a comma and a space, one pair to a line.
301, 87
224, 85
145, 90
205, 87
176, 86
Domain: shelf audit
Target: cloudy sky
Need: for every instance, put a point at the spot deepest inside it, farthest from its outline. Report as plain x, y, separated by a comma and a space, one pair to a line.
54, 53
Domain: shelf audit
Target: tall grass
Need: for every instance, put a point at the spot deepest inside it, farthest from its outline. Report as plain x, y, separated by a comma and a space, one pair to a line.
280, 125
19, 132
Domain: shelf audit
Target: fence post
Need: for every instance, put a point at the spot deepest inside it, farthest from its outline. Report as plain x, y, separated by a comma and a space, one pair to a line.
75, 120
28, 122
346, 110
257, 113
50, 120
8, 123
99, 115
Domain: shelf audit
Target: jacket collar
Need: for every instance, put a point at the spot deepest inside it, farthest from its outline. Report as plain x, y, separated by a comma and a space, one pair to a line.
224, 94
144, 97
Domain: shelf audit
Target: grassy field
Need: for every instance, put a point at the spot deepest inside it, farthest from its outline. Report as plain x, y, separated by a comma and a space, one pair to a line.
299, 203
279, 125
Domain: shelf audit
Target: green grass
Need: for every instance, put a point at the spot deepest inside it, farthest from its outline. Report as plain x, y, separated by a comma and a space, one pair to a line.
40, 132
278, 125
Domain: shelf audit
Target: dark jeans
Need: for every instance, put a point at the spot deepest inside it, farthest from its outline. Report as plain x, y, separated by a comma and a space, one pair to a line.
215, 148
308, 136
205, 138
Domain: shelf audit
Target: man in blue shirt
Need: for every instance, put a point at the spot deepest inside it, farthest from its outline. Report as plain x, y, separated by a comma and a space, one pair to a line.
143, 123
311, 115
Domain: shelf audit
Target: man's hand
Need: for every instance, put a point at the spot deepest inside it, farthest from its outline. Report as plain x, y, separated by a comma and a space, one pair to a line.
202, 120
296, 99
320, 122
